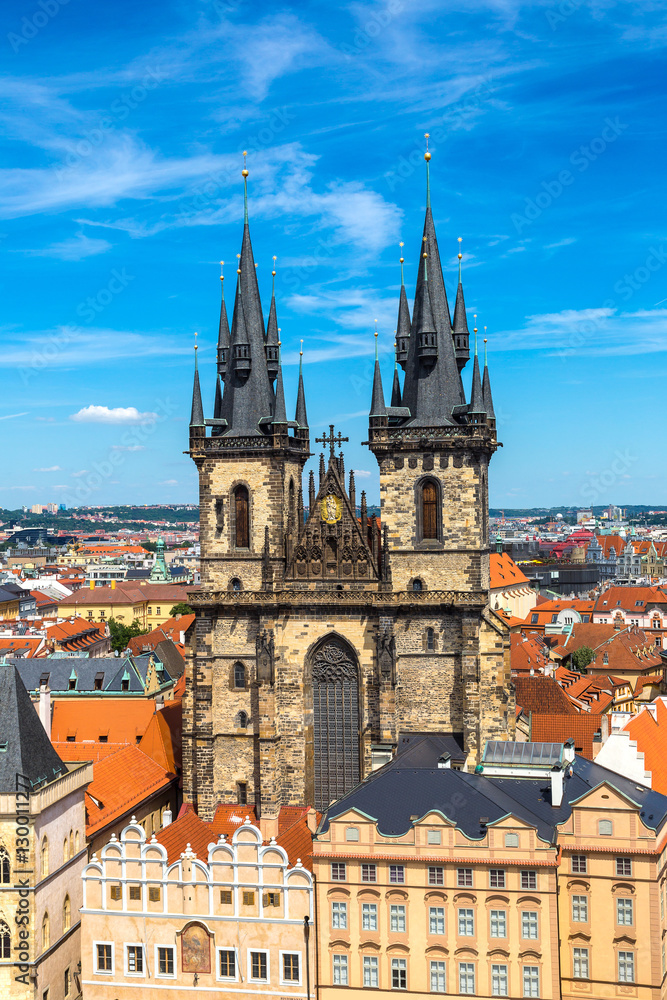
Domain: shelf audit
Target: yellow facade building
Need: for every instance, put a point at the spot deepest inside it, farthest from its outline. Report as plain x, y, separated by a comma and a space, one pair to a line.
150, 604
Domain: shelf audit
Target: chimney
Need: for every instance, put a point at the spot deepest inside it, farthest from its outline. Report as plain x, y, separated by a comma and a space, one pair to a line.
45, 708
556, 776
311, 819
568, 751
166, 817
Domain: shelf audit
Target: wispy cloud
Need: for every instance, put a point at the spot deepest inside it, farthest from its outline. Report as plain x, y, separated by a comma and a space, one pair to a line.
13, 416
596, 332
73, 346
76, 248
128, 447
49, 468
112, 415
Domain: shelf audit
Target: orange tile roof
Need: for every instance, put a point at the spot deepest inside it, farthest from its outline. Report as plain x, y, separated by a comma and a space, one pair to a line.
162, 739
120, 783
9, 646
651, 737
543, 695
528, 653
607, 542
634, 599
120, 719
86, 751
548, 728
504, 571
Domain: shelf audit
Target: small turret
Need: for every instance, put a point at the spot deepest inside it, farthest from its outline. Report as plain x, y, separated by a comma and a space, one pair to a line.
378, 414
223, 330
427, 338
460, 326
271, 346
197, 423
486, 390
477, 408
301, 417
403, 327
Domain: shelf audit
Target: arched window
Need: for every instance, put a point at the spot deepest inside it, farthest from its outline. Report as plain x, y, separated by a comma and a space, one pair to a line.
65, 850
429, 510
71, 843
76, 841
4, 866
46, 934
45, 857
417, 586
5, 940
241, 504
67, 914
430, 638
605, 828
236, 584
242, 720
239, 675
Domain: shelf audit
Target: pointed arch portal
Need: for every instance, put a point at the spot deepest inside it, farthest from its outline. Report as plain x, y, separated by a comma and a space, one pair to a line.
335, 722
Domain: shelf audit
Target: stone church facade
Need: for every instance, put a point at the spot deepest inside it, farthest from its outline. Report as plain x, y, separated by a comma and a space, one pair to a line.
321, 633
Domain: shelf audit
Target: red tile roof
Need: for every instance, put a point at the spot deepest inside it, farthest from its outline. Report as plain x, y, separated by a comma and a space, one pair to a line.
633, 599
650, 735
120, 783
122, 720
163, 737
504, 571
548, 728
528, 653
542, 695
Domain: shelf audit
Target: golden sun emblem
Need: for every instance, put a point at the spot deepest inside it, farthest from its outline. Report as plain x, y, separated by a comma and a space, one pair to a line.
331, 509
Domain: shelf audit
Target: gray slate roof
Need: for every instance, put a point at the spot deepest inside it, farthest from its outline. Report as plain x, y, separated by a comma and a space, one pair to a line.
25, 749
114, 668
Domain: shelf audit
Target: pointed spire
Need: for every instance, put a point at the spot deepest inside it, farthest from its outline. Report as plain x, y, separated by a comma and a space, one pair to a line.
364, 515
378, 408
322, 469
476, 397
280, 413
217, 406
272, 330
460, 325
311, 491
486, 388
352, 492
223, 329
244, 174
197, 413
396, 387
301, 417
403, 325
427, 157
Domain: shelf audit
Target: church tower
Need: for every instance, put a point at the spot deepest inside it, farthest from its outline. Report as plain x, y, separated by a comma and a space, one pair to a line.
323, 633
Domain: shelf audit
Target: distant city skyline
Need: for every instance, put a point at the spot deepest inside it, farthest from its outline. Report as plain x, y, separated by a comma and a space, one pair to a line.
122, 134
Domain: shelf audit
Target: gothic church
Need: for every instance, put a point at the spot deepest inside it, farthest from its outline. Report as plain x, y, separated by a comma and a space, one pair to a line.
322, 635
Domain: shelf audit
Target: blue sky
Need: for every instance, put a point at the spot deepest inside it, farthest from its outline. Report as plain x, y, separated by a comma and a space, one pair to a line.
122, 127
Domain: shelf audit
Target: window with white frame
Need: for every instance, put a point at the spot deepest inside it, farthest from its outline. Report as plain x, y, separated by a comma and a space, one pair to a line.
164, 964
531, 981
340, 973
397, 917
227, 963
369, 873
497, 878
436, 919
338, 871
103, 957
529, 924
291, 967
464, 877
438, 977
466, 923
339, 916
259, 966
369, 917
498, 923
499, 981
580, 909
371, 971
134, 959
397, 874
436, 875
466, 978
528, 880
399, 974
624, 911
626, 966
579, 864
580, 968
624, 867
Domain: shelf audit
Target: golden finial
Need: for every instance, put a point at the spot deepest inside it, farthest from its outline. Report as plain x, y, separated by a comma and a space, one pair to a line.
424, 255
273, 272
244, 172
401, 245
301, 349
427, 155
222, 264
475, 319
195, 341
460, 239
238, 257
424, 238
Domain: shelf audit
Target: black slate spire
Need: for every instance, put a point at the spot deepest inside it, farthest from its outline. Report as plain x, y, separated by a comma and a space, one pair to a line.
396, 389
217, 406
486, 388
378, 409
476, 396
223, 332
197, 412
280, 413
27, 749
403, 325
460, 326
272, 332
301, 417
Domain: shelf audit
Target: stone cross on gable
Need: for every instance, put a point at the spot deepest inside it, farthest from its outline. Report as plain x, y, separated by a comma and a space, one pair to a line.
331, 440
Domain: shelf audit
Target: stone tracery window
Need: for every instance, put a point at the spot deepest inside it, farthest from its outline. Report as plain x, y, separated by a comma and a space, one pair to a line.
242, 517
335, 722
429, 510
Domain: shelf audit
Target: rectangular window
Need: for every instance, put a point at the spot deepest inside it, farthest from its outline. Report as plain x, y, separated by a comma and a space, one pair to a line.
499, 981
497, 878
626, 966
165, 961
466, 923
436, 919
579, 864
436, 875
115, 892
624, 914
434, 837
466, 977
397, 874
498, 923
369, 873
135, 958
371, 977
291, 968
340, 976
369, 917
624, 867
438, 979
531, 981
104, 960
352, 834
248, 898
339, 916
580, 909
580, 963
227, 963
529, 924
135, 892
397, 918
154, 893
258, 965
338, 872
464, 877
67, 982
271, 899
399, 974
226, 897
528, 880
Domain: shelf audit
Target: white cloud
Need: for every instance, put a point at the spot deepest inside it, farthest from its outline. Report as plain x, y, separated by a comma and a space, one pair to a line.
81, 472
112, 415
361, 473
12, 416
168, 482
50, 468
76, 248
128, 447
561, 243
71, 346
594, 332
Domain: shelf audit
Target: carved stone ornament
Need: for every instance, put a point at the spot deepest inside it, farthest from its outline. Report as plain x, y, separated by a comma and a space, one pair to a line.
386, 654
332, 662
265, 649
331, 509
